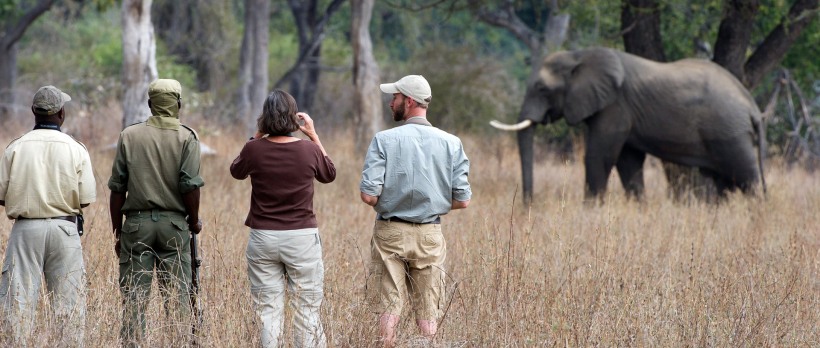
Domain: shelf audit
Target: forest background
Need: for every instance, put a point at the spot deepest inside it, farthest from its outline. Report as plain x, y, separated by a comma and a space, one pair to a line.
624, 273
477, 68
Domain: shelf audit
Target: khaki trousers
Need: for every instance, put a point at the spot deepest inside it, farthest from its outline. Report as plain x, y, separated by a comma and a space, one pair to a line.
49, 247
293, 257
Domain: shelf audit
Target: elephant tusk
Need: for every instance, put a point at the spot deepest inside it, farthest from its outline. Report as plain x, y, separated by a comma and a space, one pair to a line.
511, 127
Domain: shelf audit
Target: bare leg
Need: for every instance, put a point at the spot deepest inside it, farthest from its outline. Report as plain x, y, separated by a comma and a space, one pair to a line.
387, 329
428, 328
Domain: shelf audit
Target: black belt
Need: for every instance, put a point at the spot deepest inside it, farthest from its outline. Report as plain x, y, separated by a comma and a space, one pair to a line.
437, 221
66, 218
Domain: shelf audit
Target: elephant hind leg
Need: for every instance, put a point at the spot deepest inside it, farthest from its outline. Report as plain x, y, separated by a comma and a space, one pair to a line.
630, 169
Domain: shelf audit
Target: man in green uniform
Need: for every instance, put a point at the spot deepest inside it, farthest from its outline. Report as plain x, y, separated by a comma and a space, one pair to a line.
155, 183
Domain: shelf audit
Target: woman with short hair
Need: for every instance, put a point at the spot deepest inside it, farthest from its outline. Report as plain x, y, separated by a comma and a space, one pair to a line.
284, 245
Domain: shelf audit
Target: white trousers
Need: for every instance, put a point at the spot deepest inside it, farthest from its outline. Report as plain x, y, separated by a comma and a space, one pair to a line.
292, 257
52, 248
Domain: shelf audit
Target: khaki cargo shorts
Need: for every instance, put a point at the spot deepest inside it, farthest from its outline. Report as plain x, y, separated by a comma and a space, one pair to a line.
407, 258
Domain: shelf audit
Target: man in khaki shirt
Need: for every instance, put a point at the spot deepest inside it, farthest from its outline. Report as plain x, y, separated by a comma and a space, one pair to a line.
155, 183
45, 180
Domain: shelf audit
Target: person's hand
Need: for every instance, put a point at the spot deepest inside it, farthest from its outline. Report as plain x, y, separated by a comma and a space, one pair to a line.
117, 247
195, 227
307, 128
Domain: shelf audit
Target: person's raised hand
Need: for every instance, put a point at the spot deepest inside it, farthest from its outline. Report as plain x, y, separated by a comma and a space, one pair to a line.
307, 128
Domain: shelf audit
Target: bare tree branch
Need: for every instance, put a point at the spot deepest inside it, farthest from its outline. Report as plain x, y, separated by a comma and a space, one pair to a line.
15, 32
506, 18
777, 43
315, 41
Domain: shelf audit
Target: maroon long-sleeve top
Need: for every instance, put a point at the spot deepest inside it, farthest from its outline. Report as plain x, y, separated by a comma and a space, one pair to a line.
282, 182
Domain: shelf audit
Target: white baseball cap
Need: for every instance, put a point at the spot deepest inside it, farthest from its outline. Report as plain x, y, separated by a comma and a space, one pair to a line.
413, 86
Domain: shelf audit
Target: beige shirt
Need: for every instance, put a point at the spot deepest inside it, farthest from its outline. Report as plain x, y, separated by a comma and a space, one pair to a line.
46, 173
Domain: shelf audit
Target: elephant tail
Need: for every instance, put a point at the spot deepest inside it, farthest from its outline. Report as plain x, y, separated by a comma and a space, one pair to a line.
760, 127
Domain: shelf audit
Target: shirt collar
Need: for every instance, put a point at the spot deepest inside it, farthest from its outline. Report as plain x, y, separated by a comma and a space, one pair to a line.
47, 125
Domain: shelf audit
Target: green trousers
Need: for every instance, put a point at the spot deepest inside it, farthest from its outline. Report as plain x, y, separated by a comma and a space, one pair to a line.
154, 240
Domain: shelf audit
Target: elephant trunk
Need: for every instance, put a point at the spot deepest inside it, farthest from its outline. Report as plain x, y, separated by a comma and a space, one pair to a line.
525, 148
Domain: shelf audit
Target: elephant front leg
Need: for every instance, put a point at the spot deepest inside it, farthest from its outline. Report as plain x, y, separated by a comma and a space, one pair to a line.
630, 169
597, 173
602, 151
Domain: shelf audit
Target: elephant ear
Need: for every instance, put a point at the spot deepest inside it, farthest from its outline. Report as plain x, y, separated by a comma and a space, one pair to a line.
593, 84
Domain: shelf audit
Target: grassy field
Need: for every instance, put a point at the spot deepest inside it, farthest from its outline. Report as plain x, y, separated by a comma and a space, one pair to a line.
745, 273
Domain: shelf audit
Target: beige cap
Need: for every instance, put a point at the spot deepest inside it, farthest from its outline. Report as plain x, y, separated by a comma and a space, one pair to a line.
49, 100
413, 86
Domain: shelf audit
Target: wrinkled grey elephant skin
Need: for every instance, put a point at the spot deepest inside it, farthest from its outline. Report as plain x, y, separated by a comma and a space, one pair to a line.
691, 112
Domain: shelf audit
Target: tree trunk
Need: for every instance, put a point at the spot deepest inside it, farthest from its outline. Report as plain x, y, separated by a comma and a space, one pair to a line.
259, 70
734, 35
8, 74
253, 62
304, 75
139, 65
192, 31
12, 30
641, 27
367, 103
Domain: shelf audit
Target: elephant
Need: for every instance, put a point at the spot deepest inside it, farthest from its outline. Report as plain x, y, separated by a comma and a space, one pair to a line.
690, 112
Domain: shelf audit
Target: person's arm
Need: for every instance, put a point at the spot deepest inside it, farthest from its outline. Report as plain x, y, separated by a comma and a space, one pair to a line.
191, 201
240, 167
369, 200
115, 203
461, 186
190, 182
373, 172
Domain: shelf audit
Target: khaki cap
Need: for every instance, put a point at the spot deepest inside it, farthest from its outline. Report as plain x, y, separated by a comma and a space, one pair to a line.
49, 100
413, 86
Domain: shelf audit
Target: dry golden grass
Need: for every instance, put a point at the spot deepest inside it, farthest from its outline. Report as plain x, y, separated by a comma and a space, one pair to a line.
654, 274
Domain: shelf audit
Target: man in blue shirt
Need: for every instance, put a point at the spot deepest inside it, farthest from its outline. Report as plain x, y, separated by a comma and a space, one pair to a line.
412, 175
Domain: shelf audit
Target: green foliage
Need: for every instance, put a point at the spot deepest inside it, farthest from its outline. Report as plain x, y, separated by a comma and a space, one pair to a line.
168, 68
684, 23
469, 89
593, 23
84, 57
9, 9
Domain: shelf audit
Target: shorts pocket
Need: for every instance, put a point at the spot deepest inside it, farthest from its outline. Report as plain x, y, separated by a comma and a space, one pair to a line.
388, 233
433, 240
130, 227
69, 230
181, 225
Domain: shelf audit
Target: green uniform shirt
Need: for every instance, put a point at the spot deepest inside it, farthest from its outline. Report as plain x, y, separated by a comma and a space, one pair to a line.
155, 165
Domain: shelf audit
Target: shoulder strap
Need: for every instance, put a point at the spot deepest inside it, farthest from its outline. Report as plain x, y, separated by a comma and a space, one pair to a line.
192, 131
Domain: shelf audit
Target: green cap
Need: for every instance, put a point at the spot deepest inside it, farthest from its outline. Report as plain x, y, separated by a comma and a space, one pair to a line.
49, 100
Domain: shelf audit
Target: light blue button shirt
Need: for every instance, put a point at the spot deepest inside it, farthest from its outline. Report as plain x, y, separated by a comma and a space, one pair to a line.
416, 171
